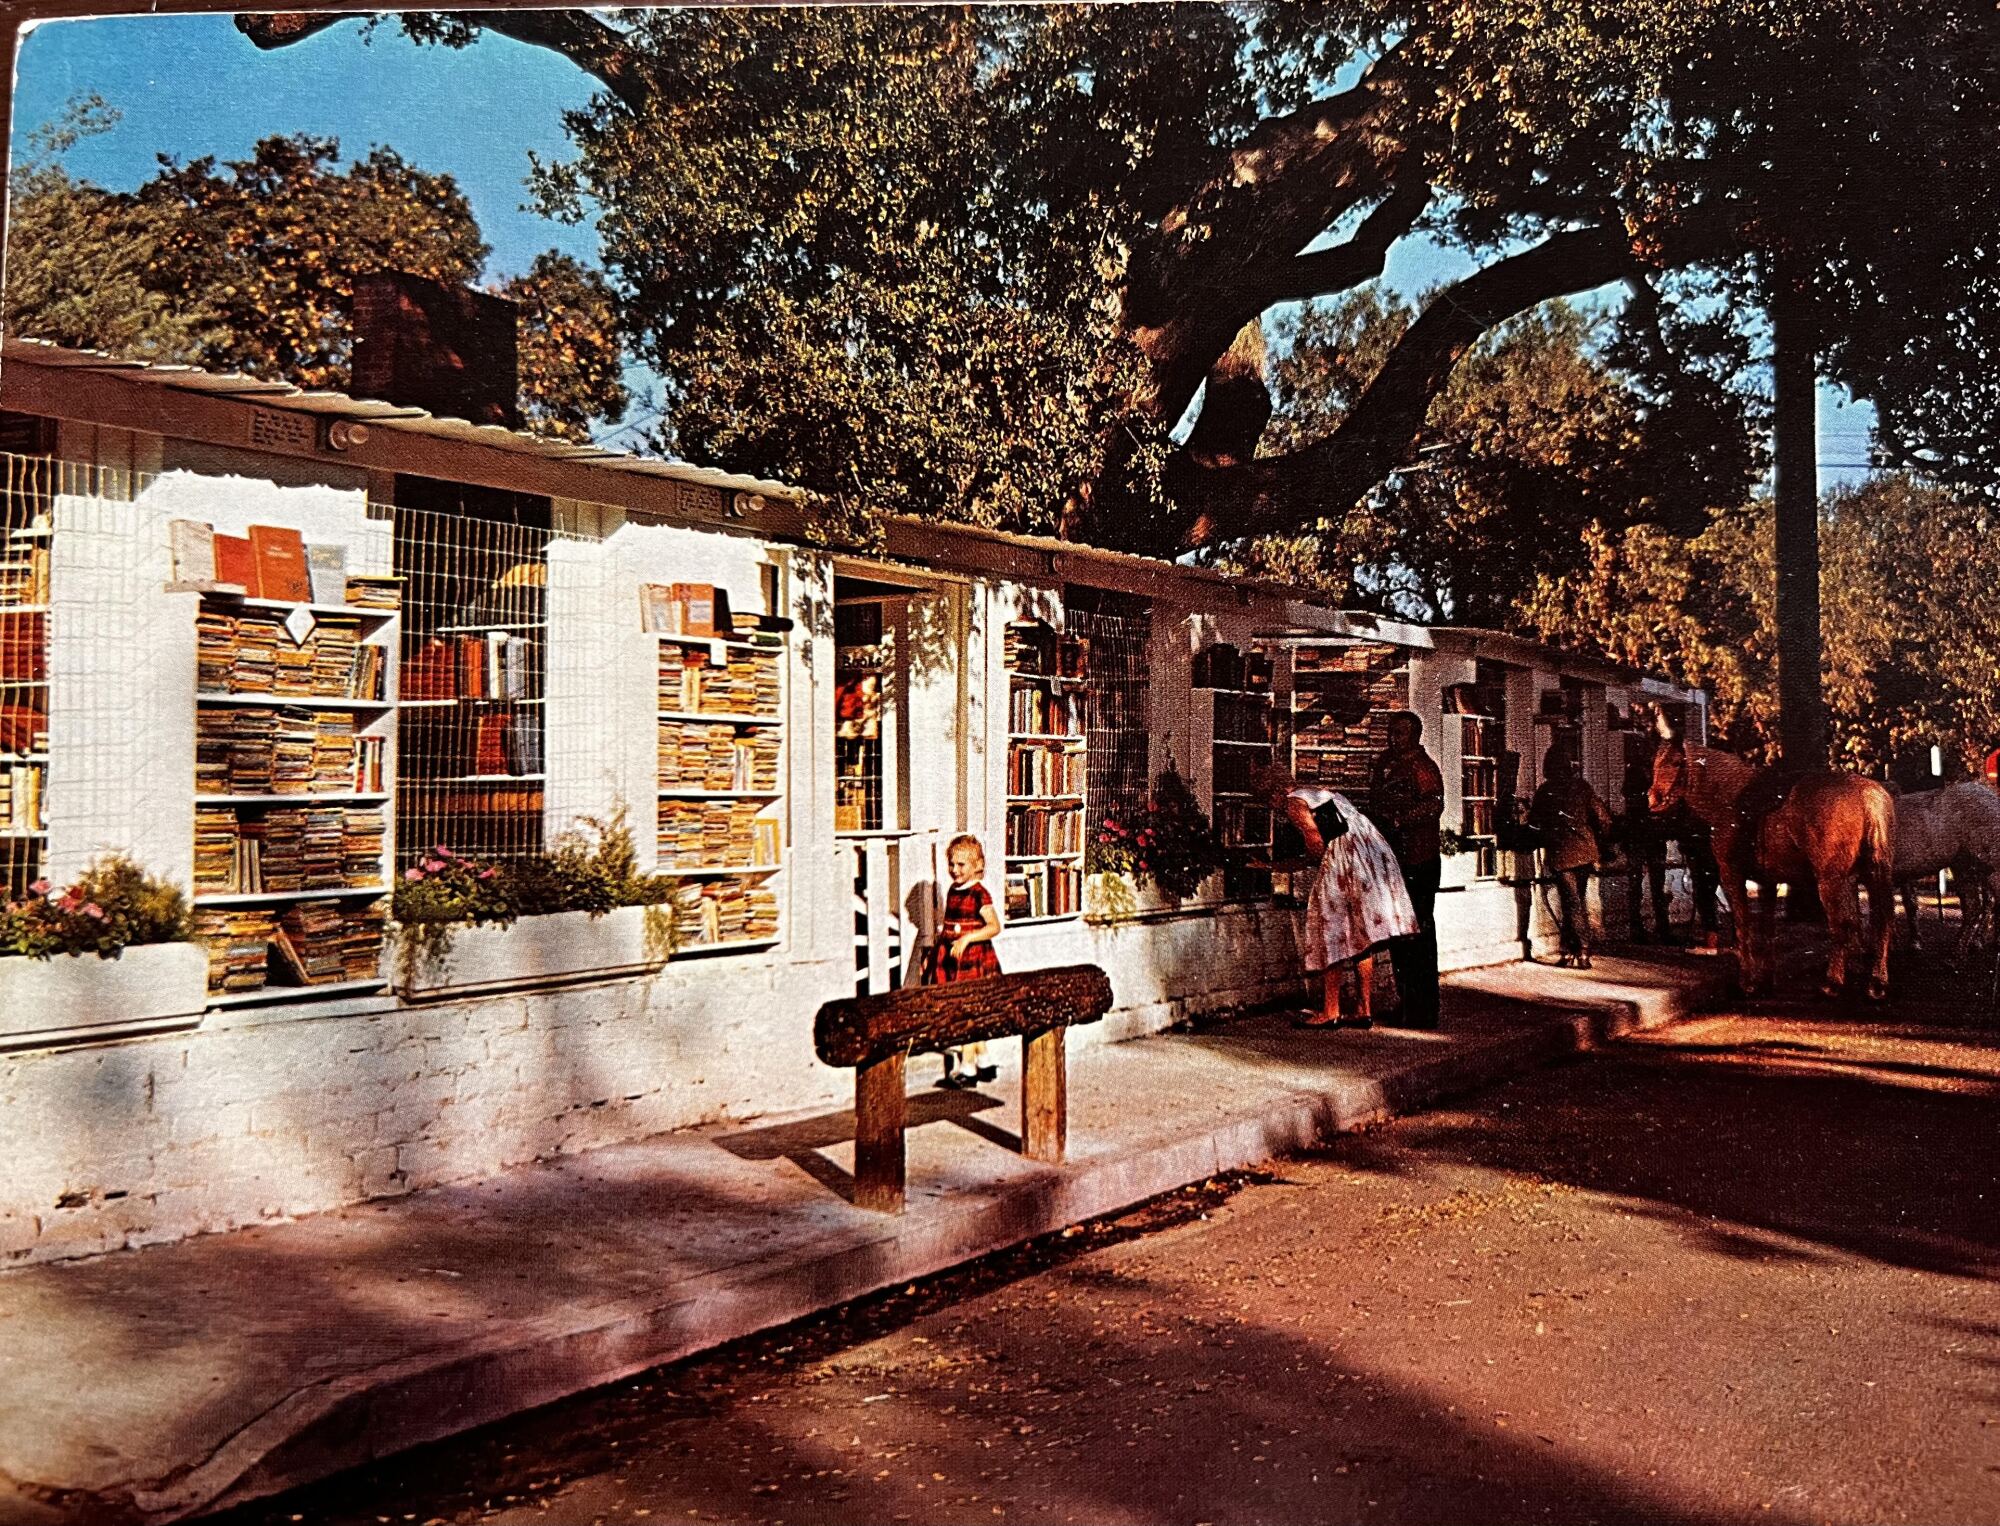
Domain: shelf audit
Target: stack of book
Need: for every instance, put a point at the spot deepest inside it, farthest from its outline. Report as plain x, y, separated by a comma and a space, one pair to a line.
363, 832
24, 565
1047, 771
250, 750
505, 743
368, 769
310, 940
361, 936
1036, 830
1034, 709
238, 943
731, 911
698, 756
371, 592
21, 797
1043, 890
493, 665
718, 834
745, 684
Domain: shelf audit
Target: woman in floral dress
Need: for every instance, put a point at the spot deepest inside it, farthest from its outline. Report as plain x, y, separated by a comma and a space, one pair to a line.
1358, 900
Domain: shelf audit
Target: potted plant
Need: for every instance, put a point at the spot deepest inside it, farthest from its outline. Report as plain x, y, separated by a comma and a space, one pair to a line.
1169, 848
582, 909
109, 952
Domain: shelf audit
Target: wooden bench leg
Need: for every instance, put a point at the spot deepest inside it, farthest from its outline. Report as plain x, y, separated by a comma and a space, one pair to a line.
1044, 1096
879, 1117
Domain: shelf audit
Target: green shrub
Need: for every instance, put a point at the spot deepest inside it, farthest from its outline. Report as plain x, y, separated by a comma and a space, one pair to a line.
113, 905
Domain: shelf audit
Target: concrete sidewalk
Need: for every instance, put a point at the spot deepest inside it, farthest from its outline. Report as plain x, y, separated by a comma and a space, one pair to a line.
159, 1383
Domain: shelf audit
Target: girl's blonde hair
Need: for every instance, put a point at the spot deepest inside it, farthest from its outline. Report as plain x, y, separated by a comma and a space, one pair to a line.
966, 840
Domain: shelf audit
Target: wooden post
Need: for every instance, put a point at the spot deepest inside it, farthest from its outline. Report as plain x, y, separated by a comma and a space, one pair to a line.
1044, 1096
879, 1116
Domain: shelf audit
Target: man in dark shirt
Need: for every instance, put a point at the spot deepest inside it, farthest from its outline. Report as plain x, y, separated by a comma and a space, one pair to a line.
1406, 798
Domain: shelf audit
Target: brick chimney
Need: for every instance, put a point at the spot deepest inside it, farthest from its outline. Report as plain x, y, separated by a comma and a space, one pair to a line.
426, 345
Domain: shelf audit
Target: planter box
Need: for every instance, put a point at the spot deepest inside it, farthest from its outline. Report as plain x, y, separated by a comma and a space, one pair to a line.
85, 996
570, 945
1455, 870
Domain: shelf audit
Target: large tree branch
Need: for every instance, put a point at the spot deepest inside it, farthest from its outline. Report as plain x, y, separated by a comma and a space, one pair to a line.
597, 49
1325, 479
1324, 272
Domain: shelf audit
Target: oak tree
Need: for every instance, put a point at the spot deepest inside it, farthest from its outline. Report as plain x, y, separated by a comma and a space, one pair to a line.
983, 261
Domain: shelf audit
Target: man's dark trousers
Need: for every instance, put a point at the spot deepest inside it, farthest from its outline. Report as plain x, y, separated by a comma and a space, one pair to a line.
1416, 959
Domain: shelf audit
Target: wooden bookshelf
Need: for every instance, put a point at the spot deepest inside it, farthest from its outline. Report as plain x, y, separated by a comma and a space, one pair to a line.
1234, 716
1048, 773
25, 576
294, 848
1480, 710
1342, 694
721, 780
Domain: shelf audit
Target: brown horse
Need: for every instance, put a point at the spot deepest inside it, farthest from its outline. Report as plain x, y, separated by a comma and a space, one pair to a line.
1831, 830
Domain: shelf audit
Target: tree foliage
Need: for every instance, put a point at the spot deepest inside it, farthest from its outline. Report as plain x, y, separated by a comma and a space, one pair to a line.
250, 265
1534, 438
982, 260
1910, 584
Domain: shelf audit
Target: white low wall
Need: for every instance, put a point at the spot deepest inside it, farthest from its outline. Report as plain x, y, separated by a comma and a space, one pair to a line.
262, 1115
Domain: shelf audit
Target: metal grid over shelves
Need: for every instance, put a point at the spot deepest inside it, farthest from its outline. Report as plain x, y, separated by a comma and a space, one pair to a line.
1117, 630
28, 489
472, 737
1048, 710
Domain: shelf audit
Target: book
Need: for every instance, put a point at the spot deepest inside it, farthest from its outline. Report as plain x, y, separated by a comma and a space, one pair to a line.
373, 591
281, 564
193, 544
697, 602
326, 571
659, 611
236, 563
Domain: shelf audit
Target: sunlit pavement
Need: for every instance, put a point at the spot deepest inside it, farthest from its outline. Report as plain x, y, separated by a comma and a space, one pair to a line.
153, 1383
1739, 1269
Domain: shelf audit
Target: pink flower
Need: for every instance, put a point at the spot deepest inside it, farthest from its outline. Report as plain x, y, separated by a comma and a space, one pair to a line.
433, 865
440, 851
94, 910
413, 875
40, 887
486, 874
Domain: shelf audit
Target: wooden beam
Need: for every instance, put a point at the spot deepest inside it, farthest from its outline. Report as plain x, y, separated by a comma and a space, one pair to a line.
1044, 1096
857, 1030
880, 1113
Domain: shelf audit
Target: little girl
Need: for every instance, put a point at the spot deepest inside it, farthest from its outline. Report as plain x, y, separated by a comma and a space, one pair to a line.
965, 949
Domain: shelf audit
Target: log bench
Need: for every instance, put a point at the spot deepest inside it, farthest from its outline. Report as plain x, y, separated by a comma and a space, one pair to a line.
876, 1034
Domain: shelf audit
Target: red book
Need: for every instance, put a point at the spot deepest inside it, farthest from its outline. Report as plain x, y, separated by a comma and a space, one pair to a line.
489, 748
236, 562
282, 572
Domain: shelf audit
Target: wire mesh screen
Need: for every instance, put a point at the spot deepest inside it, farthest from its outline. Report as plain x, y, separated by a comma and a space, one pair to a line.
1119, 629
471, 771
27, 494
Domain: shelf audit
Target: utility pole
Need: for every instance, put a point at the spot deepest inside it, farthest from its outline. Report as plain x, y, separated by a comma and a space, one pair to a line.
1795, 423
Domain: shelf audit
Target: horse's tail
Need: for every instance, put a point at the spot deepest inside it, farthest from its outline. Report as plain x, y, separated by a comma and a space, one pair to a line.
1876, 860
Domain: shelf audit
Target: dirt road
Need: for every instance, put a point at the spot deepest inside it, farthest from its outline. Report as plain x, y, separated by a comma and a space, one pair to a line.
1747, 1268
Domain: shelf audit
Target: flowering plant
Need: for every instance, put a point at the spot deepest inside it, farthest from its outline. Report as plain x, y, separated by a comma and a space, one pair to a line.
593, 871
113, 905
1170, 843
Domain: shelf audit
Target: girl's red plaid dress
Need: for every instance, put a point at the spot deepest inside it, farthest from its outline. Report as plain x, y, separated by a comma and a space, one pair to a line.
964, 906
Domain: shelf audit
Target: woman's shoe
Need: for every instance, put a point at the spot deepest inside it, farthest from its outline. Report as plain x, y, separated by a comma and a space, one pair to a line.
1583, 961
1313, 1020
955, 1082
1355, 1022
987, 1073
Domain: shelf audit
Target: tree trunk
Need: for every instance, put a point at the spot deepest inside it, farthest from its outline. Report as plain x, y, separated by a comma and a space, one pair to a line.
1801, 703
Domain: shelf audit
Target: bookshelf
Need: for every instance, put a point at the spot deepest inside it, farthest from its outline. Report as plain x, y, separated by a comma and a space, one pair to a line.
293, 827
721, 763
1048, 765
1342, 695
861, 683
1235, 717
24, 702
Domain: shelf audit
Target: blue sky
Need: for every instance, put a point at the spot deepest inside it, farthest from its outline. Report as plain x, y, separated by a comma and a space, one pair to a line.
191, 86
